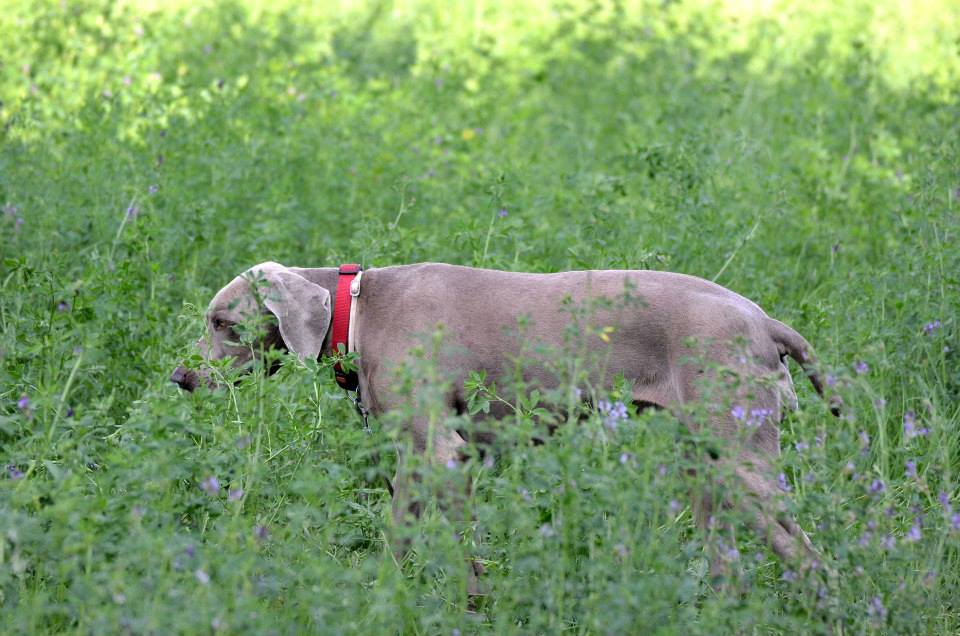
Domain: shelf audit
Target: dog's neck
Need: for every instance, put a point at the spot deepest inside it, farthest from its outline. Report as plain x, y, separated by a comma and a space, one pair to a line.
326, 277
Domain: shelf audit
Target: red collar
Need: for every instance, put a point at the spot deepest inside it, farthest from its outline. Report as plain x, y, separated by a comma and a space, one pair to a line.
347, 380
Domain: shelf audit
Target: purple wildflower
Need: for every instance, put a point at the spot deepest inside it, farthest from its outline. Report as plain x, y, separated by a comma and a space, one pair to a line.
261, 533
914, 534
955, 522
674, 506
789, 576
14, 473
888, 543
452, 464
831, 380
235, 494
210, 485
612, 413
132, 212
911, 469
944, 500
502, 213
547, 531
63, 306
909, 424
801, 446
738, 412
625, 457
910, 429
153, 189
782, 482
758, 416
202, 576
861, 367
24, 402
877, 486
931, 327
864, 440
876, 610
69, 411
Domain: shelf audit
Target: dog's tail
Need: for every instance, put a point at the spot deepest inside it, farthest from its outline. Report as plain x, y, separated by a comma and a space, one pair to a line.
792, 344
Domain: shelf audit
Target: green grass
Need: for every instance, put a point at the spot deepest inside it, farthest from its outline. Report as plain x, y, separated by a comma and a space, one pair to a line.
803, 154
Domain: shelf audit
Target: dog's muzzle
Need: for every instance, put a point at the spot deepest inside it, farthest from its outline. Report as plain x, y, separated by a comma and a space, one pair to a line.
184, 378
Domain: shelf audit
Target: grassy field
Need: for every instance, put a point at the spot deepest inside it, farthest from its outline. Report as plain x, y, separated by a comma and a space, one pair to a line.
803, 154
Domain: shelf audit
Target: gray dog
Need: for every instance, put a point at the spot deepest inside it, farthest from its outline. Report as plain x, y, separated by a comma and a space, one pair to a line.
675, 333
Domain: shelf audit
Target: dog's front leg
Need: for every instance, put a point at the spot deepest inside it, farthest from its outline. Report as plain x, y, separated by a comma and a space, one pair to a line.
438, 447
435, 445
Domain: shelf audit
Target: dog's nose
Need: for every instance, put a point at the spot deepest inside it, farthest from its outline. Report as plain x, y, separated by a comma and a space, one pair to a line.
185, 378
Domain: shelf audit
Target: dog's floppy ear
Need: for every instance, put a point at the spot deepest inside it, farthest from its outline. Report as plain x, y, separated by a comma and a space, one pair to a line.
302, 308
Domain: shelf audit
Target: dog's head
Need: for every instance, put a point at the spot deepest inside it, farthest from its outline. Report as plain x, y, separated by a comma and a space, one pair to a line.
267, 306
